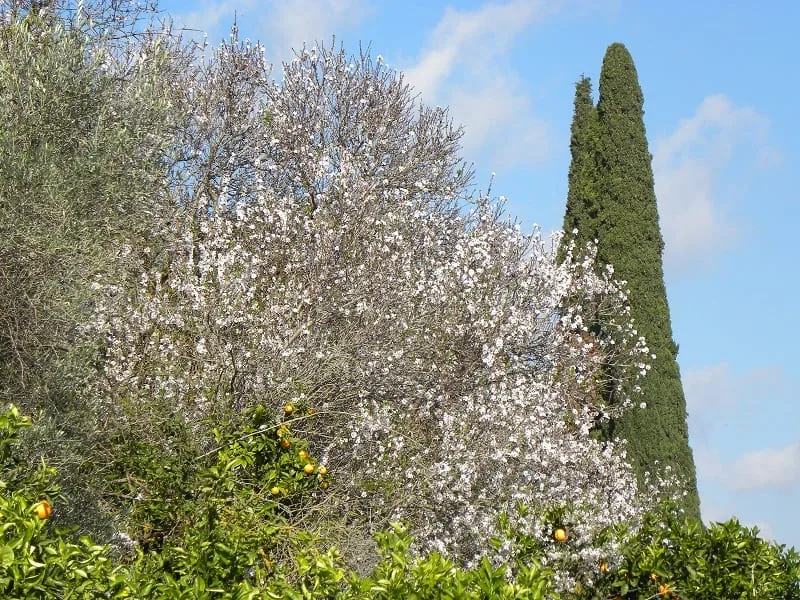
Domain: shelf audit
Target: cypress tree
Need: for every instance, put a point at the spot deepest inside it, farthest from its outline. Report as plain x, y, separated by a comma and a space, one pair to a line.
612, 198
582, 206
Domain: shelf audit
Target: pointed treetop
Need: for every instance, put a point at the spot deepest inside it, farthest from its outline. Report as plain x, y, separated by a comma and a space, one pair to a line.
583, 87
619, 83
583, 98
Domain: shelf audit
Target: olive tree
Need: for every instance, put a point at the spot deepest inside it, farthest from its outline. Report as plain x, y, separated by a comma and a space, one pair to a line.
89, 111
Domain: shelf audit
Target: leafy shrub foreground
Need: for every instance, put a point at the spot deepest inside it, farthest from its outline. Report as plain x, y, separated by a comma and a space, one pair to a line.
238, 534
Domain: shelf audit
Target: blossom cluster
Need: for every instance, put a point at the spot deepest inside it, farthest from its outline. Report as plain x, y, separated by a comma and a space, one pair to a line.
331, 253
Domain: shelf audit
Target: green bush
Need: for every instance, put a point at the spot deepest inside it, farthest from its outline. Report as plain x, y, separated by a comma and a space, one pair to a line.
671, 556
434, 577
222, 534
235, 522
36, 559
238, 532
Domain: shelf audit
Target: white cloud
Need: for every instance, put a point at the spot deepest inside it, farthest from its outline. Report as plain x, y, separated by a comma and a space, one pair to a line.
290, 23
708, 387
213, 18
714, 390
718, 399
491, 113
710, 391
464, 67
283, 25
724, 509
770, 467
759, 469
471, 38
716, 513
688, 165
766, 531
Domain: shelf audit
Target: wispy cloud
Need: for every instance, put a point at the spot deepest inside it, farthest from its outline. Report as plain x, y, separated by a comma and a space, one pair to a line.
688, 165
291, 23
283, 25
465, 66
717, 399
716, 390
213, 18
471, 38
723, 509
767, 468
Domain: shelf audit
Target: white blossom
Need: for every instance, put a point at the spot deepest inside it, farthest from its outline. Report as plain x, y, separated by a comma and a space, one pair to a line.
349, 266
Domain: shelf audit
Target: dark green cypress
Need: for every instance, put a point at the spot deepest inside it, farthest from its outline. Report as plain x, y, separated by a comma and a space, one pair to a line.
612, 198
582, 193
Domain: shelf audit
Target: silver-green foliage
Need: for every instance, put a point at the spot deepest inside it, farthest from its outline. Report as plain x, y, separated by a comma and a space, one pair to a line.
89, 102
84, 127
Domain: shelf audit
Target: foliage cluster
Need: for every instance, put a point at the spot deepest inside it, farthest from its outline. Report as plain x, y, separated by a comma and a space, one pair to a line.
89, 108
230, 541
86, 127
678, 557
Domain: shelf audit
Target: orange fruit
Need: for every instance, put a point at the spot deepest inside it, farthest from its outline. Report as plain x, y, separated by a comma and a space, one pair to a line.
560, 534
324, 485
43, 509
302, 454
275, 491
322, 470
285, 443
309, 469
310, 411
288, 409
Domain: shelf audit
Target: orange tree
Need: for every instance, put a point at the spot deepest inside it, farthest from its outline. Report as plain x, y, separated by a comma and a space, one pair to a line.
228, 535
671, 556
237, 515
235, 537
37, 560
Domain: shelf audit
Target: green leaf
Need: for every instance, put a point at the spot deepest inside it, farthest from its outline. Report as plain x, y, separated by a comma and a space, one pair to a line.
6, 556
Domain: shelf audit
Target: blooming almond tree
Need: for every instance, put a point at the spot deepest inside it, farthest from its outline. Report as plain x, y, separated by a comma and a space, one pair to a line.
333, 258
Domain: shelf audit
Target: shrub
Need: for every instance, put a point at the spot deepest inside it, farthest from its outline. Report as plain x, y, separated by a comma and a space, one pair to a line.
434, 577
90, 102
238, 534
227, 521
235, 528
672, 556
234, 536
36, 559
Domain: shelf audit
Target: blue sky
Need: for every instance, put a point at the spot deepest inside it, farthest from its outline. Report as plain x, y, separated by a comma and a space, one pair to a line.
720, 87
